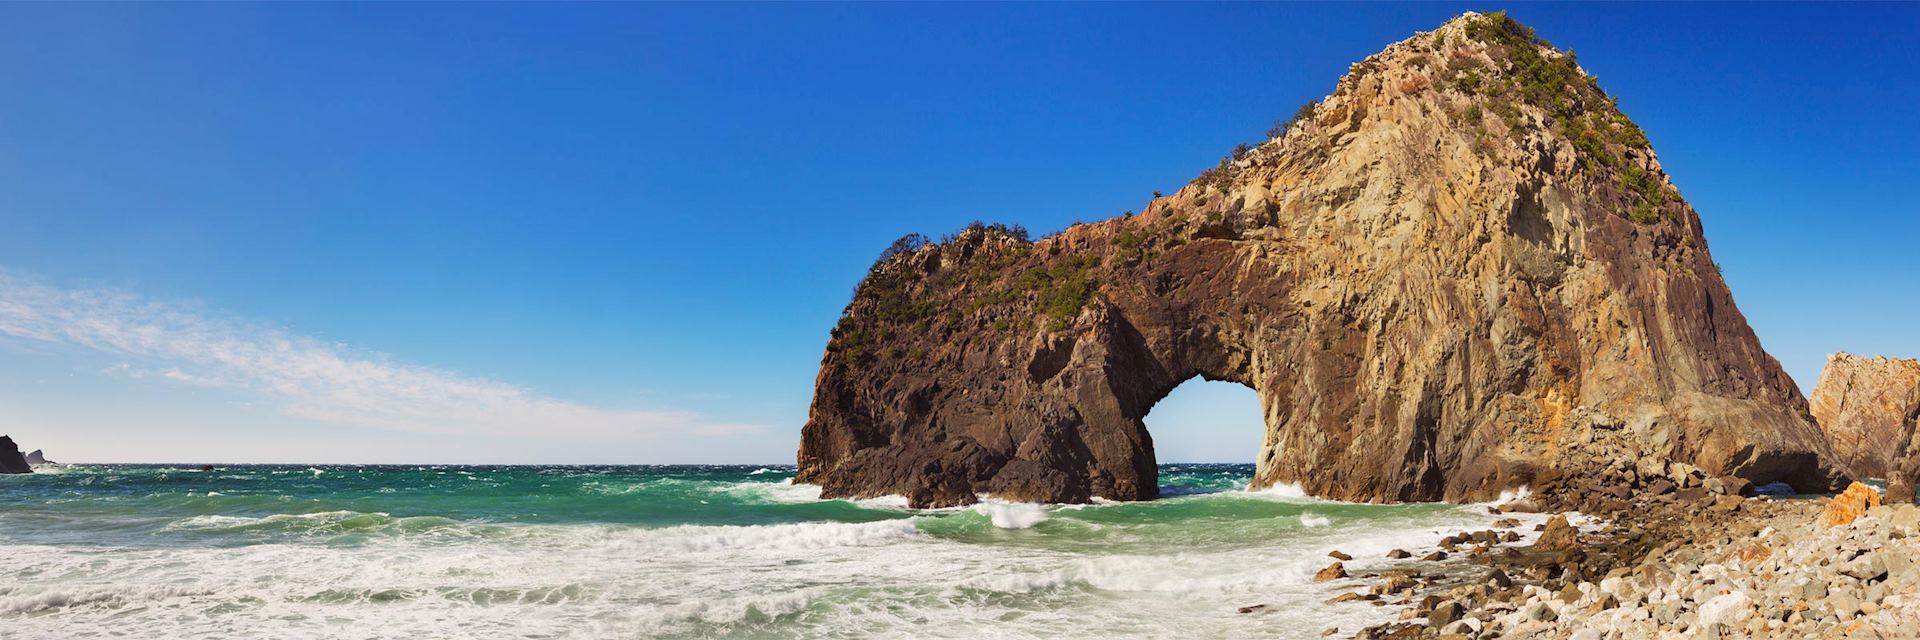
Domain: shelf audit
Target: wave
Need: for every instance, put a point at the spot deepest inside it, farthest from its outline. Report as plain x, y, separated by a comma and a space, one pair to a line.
326, 523
781, 537
25, 599
790, 492
1012, 515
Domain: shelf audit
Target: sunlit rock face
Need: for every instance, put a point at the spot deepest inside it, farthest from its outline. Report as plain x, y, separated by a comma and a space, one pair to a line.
1439, 280
1868, 408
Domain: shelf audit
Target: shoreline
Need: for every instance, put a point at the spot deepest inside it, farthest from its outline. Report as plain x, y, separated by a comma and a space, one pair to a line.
1668, 565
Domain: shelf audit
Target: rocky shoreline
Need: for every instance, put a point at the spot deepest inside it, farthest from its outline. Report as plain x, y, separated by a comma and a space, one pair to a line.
1711, 565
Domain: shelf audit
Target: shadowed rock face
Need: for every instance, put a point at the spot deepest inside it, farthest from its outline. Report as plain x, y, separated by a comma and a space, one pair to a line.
10, 459
1445, 275
1867, 407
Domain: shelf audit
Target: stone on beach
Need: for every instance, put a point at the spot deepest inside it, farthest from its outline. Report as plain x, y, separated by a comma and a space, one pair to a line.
1849, 505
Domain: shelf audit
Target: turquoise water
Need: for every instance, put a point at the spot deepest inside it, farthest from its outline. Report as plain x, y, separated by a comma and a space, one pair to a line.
645, 552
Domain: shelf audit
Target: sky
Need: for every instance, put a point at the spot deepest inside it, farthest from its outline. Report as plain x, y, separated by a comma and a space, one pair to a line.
619, 233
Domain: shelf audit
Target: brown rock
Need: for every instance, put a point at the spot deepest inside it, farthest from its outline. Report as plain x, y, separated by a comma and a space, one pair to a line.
1727, 503
1558, 536
1396, 581
1420, 307
1337, 555
1435, 556
1849, 505
1866, 408
1333, 571
1398, 554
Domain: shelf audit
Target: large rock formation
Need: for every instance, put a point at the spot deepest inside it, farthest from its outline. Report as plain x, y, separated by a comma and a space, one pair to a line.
1868, 408
10, 459
38, 457
1459, 266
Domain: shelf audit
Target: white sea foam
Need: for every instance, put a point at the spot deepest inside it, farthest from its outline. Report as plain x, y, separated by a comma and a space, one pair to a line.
898, 577
1012, 515
1311, 520
1511, 495
1282, 491
790, 492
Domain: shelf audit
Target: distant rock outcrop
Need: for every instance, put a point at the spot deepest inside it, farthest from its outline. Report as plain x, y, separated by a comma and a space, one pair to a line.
1459, 267
38, 458
10, 459
1869, 409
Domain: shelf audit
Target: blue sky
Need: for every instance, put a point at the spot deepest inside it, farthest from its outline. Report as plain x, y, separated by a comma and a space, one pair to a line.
619, 233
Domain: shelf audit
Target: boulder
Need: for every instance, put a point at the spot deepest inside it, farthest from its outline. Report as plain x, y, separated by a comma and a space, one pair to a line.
1333, 571
1558, 536
1850, 505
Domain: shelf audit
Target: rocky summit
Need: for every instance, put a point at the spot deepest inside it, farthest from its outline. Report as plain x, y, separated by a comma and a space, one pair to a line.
1868, 408
1443, 280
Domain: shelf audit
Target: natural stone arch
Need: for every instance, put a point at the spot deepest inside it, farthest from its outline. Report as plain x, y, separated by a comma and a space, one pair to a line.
1427, 312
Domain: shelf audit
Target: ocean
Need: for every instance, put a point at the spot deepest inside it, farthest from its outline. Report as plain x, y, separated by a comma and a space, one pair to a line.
405, 551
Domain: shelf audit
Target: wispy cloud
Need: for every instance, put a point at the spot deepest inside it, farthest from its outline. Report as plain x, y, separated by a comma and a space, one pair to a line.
184, 344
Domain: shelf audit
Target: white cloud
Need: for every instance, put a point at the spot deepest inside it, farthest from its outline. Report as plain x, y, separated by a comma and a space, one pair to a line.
310, 378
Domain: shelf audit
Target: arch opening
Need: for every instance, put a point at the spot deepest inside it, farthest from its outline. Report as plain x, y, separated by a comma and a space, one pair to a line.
1206, 421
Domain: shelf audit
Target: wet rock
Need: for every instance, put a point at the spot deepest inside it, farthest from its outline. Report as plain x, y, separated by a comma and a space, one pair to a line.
1337, 555
1333, 571
1398, 554
1395, 581
1558, 536
1435, 556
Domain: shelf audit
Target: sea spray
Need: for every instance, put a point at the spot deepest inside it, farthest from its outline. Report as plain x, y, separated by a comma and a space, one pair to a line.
1012, 515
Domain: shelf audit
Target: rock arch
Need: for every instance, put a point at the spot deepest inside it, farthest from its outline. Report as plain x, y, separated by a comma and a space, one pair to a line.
1427, 311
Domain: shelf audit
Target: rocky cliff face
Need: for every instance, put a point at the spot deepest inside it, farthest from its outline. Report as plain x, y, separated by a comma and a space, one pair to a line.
1458, 267
1868, 407
10, 459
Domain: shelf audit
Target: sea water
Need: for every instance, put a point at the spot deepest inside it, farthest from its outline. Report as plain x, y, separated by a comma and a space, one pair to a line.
144, 551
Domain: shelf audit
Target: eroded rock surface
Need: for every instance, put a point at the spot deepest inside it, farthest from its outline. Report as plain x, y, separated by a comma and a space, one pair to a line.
1457, 268
1868, 408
